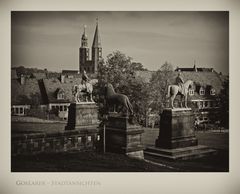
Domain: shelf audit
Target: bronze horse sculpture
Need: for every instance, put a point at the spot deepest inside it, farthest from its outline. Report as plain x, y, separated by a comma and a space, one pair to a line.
174, 90
116, 99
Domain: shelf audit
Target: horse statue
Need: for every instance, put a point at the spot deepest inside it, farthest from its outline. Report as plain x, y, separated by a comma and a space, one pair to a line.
115, 99
83, 89
174, 90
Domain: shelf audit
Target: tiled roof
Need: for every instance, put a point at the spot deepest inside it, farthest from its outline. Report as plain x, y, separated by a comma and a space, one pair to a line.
203, 78
70, 72
53, 84
28, 90
192, 69
39, 75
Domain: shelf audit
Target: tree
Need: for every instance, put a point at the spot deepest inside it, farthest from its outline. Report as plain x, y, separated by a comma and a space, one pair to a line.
159, 84
224, 104
120, 72
138, 67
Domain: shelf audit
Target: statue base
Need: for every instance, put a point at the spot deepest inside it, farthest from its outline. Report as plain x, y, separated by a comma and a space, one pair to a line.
83, 117
123, 137
176, 129
177, 138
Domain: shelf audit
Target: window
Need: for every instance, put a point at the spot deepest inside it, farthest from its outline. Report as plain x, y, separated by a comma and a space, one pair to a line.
98, 137
65, 108
89, 138
191, 92
60, 95
79, 139
21, 110
61, 108
202, 91
206, 104
200, 104
211, 104
212, 92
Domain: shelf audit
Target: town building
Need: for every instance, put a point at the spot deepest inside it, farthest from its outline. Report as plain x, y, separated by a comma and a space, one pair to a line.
25, 93
203, 98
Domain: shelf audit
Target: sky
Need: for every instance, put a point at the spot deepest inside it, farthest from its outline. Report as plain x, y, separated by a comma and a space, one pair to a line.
52, 39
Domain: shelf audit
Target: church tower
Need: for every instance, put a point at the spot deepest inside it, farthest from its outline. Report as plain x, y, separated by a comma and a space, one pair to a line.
83, 51
96, 50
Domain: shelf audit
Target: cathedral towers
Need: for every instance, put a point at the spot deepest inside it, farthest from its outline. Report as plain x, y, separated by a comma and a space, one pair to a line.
90, 66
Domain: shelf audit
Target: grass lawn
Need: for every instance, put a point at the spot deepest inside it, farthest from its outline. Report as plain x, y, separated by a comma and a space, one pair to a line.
109, 162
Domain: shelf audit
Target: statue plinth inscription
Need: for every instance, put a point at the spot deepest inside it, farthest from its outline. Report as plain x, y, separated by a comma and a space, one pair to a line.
82, 116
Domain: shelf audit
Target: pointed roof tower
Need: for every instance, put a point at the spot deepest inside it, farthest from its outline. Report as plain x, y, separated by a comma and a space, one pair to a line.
84, 38
96, 39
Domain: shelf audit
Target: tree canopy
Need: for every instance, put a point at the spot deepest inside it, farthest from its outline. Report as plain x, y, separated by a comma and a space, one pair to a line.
120, 72
158, 86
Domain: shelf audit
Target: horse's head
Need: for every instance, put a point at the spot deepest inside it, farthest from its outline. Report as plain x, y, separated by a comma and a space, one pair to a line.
93, 81
189, 84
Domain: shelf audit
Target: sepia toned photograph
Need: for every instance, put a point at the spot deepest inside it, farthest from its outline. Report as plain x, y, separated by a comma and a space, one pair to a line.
119, 91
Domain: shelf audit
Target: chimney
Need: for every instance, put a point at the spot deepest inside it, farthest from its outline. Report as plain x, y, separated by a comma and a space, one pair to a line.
194, 66
22, 79
62, 78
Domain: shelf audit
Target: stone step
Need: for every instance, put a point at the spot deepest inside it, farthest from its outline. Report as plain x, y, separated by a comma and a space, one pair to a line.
195, 153
177, 151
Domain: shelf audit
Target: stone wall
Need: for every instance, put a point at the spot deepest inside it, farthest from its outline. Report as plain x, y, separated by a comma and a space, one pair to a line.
56, 142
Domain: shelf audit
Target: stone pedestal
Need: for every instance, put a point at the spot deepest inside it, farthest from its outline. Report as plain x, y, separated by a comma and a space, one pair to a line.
176, 129
176, 138
124, 137
82, 116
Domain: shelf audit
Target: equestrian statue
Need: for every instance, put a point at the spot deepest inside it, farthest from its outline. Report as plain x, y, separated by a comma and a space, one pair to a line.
181, 89
115, 100
83, 89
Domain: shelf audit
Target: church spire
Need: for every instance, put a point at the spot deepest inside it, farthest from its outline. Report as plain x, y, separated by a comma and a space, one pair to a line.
96, 49
96, 39
84, 38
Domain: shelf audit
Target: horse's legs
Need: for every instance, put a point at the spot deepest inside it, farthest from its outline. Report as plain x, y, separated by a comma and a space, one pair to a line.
91, 99
185, 101
181, 103
78, 98
171, 101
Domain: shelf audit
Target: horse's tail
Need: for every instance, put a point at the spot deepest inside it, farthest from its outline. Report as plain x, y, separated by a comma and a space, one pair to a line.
168, 91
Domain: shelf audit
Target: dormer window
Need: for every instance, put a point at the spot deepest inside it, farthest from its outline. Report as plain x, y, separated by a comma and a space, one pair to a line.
60, 94
202, 91
191, 92
212, 92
